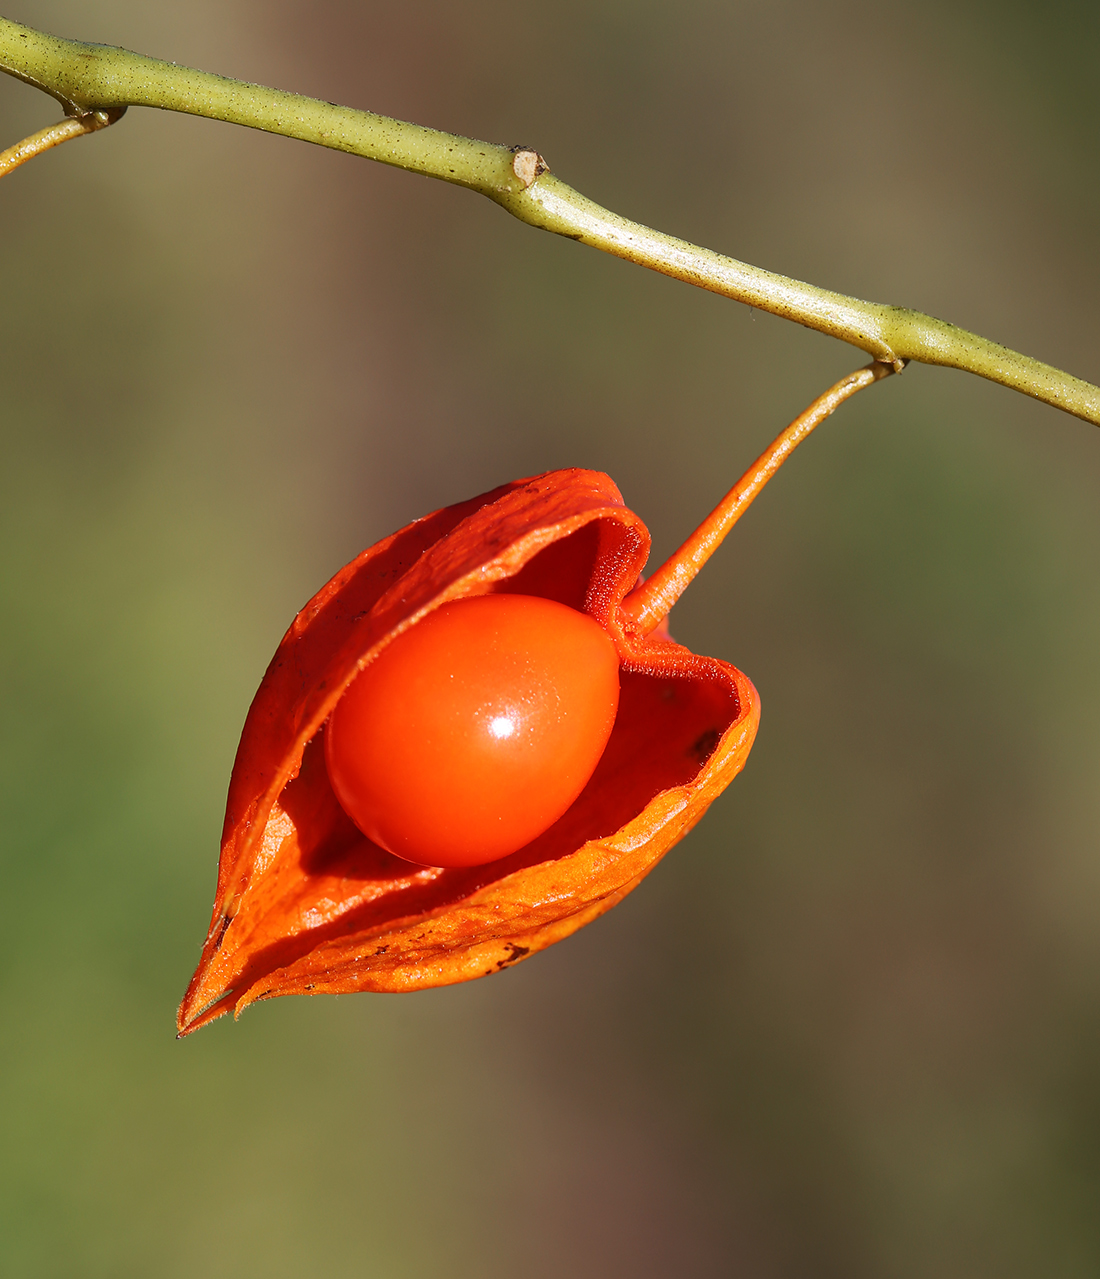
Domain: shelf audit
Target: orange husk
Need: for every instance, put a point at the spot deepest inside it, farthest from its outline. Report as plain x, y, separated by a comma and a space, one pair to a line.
306, 904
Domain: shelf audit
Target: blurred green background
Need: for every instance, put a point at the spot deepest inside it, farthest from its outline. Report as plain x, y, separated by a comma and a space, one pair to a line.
851, 1026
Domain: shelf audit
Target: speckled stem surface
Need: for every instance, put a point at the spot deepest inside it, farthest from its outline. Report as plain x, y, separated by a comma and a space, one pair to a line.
90, 78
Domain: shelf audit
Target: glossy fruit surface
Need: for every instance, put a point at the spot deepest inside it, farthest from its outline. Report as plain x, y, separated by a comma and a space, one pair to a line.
475, 729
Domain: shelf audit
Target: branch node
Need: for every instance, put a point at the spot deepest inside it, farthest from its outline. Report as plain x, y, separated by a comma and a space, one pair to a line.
528, 165
93, 118
75, 125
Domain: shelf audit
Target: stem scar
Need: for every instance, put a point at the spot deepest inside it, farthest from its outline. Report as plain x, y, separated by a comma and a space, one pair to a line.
528, 165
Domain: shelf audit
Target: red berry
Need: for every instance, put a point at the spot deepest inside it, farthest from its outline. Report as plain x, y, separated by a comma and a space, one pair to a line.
475, 729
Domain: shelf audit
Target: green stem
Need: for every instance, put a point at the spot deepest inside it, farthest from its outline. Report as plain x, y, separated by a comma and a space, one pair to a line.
92, 77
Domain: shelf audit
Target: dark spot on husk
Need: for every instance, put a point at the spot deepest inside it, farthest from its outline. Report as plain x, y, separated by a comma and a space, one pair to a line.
703, 747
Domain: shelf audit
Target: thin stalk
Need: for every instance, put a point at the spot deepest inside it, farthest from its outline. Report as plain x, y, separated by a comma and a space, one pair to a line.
72, 127
649, 604
92, 77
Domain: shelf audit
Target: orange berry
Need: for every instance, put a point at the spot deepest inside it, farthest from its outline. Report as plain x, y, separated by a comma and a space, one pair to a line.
473, 731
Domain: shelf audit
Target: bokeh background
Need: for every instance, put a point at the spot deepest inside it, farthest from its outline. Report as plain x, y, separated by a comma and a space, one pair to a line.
851, 1026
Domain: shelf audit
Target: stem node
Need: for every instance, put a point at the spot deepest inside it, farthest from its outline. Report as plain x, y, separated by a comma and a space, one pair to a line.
528, 165
75, 125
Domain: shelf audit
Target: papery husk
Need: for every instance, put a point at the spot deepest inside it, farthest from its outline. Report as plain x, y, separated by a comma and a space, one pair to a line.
306, 904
